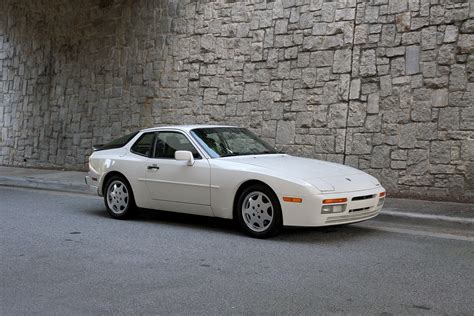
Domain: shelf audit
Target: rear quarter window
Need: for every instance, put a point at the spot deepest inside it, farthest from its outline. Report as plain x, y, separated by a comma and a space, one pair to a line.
143, 145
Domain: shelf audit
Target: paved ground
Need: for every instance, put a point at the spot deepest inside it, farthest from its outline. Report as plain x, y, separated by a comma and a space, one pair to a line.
61, 254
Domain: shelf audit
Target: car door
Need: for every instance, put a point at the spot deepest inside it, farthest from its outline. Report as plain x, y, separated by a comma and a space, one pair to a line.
174, 185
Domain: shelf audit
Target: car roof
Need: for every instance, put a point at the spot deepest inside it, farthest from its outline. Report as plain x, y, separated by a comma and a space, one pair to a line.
186, 128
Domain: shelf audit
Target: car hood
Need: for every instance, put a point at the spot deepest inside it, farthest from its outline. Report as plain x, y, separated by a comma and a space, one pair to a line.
325, 176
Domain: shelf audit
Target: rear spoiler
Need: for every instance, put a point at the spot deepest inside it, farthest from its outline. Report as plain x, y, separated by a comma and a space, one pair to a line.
97, 147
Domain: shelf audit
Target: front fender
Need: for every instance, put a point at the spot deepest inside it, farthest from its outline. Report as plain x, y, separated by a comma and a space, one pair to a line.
227, 178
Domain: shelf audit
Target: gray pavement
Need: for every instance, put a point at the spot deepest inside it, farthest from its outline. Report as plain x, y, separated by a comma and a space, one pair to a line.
61, 254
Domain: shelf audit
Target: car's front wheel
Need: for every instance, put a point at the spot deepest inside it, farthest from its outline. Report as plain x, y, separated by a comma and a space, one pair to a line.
259, 212
118, 198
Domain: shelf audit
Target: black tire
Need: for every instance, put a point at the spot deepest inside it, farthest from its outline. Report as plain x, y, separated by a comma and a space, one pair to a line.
246, 213
122, 204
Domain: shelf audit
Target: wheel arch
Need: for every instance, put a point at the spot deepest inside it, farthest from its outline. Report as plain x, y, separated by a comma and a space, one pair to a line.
110, 174
245, 185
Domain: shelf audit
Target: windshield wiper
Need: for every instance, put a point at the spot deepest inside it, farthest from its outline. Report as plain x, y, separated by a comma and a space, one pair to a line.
250, 154
266, 152
230, 155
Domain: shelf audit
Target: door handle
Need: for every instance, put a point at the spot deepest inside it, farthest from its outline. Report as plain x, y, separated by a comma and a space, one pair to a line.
153, 167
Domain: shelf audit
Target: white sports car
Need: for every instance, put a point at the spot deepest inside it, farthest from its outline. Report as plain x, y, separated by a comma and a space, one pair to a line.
228, 172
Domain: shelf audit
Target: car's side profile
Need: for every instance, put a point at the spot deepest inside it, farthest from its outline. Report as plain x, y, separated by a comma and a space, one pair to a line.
228, 172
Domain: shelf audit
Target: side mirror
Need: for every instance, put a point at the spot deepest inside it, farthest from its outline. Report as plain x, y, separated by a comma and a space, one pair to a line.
184, 155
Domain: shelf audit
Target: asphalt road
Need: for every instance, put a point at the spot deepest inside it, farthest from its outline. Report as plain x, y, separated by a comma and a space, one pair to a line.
61, 254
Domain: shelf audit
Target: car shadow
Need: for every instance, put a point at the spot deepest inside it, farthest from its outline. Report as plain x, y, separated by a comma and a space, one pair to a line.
328, 234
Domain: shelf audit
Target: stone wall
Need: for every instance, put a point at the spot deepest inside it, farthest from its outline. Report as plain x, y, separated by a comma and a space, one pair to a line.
386, 86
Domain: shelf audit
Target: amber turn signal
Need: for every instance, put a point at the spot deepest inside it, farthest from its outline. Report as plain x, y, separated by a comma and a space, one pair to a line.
292, 199
333, 201
382, 194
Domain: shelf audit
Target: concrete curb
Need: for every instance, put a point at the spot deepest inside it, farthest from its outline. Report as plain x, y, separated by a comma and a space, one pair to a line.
35, 183
451, 219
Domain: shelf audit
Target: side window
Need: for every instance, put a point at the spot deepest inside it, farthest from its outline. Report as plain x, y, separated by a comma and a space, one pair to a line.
167, 143
143, 145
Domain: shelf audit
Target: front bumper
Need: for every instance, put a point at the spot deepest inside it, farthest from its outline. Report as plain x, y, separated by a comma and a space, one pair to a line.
308, 213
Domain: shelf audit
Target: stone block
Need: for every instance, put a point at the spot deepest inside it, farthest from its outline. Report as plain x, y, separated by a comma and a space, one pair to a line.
281, 26
450, 34
320, 29
395, 51
385, 85
361, 33
421, 111
440, 98
448, 118
373, 103
347, 14
371, 14
337, 116
417, 162
251, 92
285, 132
440, 152
316, 5
360, 144
342, 61
357, 114
355, 89
291, 53
368, 63
467, 119
380, 157
397, 6
321, 58
467, 150
303, 60
466, 44
278, 10
428, 69
325, 144
411, 38
332, 42
407, 136
457, 78
412, 60
419, 22
308, 77
328, 11
468, 26
256, 50
402, 21
396, 164
399, 154
428, 37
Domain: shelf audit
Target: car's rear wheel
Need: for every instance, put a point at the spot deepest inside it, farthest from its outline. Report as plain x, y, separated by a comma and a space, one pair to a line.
118, 198
259, 212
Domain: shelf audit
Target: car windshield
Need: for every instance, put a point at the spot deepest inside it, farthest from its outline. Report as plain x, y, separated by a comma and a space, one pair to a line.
230, 141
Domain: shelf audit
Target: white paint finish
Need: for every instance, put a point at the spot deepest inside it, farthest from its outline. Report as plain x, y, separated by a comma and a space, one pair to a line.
176, 181
209, 186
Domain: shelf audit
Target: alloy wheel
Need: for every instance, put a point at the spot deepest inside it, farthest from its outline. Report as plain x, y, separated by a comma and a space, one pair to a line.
257, 211
117, 197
